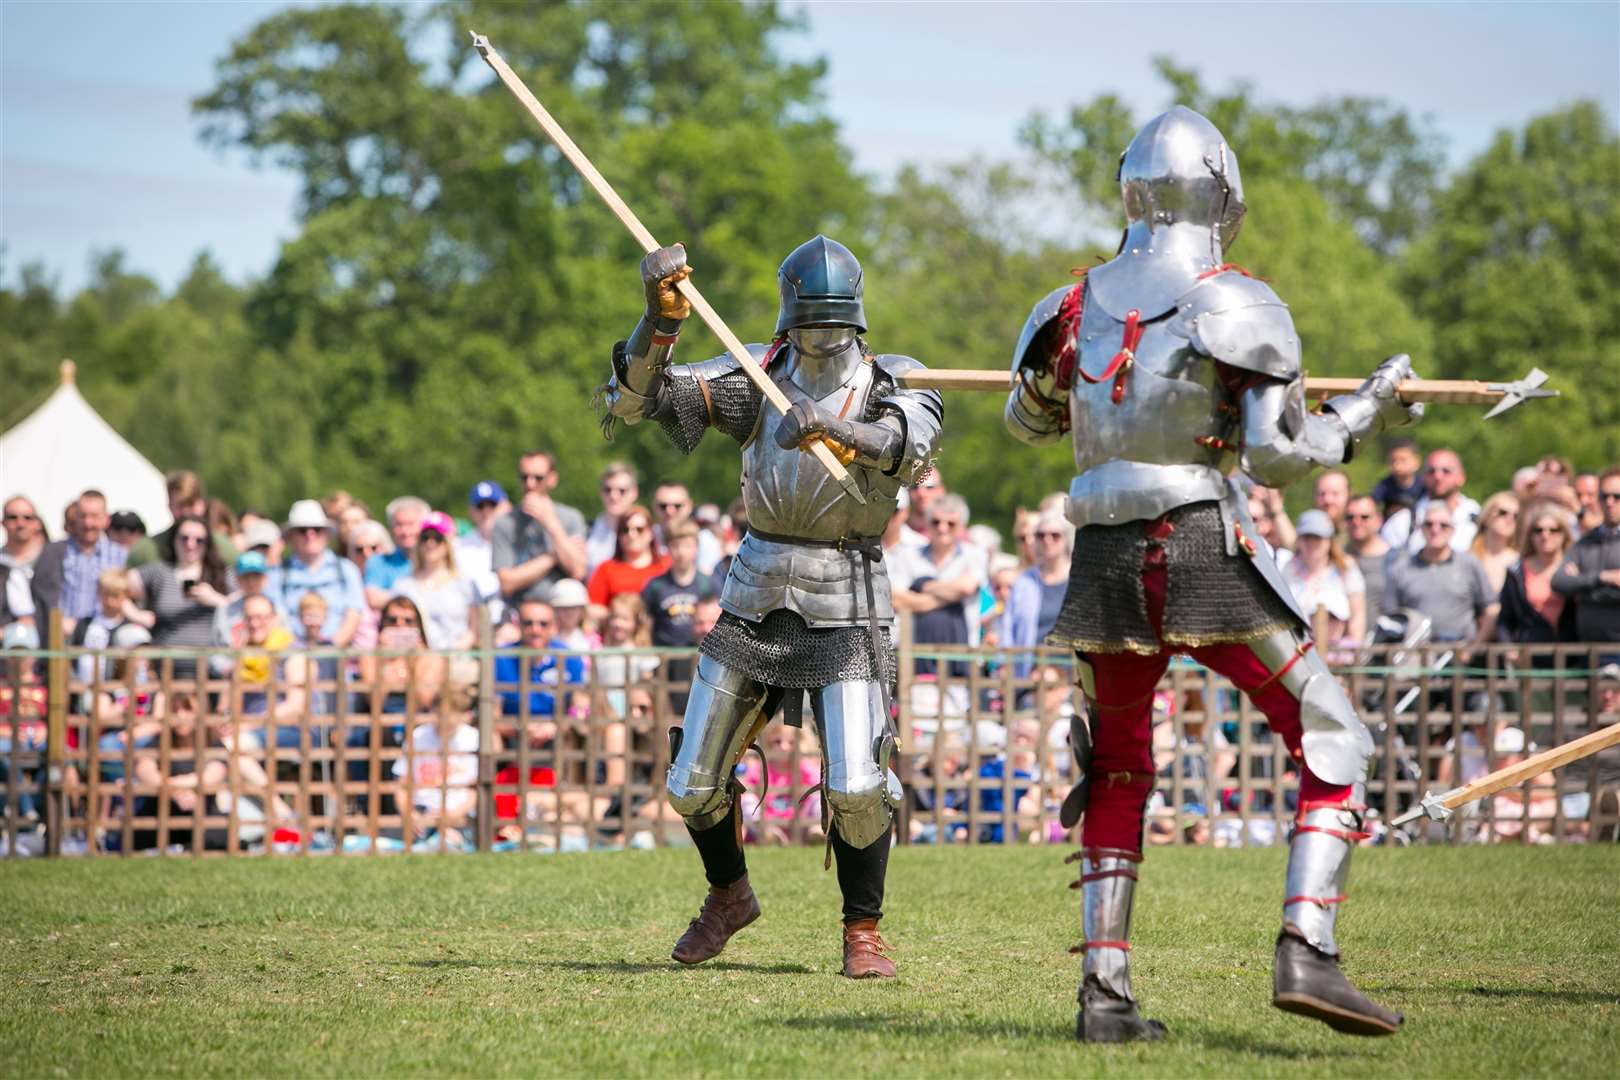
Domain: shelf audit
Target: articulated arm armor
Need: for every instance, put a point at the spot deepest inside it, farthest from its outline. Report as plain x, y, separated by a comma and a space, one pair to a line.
684, 399
1246, 327
1037, 410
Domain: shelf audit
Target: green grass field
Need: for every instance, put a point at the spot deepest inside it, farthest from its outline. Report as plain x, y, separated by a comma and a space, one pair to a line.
1506, 962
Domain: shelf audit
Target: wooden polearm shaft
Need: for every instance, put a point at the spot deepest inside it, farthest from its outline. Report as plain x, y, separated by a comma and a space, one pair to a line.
1516, 774
576, 157
1440, 391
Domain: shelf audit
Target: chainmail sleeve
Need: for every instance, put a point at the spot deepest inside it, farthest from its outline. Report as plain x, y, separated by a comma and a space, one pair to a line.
714, 394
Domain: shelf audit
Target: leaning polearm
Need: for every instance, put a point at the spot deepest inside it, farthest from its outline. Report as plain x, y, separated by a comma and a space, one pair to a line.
621, 210
1501, 395
1440, 806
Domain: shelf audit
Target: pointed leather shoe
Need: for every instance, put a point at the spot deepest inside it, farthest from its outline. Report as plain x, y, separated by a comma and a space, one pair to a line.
725, 911
1107, 1018
863, 951
1307, 981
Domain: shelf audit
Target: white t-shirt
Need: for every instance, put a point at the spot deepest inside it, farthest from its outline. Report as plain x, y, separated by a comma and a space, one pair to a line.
1401, 531
911, 564
431, 765
444, 609
1330, 589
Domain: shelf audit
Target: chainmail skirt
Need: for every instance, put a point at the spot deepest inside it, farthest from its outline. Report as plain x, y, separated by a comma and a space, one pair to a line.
781, 650
1210, 596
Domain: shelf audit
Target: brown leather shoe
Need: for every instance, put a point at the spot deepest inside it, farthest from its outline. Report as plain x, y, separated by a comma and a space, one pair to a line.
863, 951
725, 911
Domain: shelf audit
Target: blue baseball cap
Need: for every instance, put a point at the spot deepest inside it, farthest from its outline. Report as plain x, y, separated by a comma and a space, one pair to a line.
485, 491
251, 562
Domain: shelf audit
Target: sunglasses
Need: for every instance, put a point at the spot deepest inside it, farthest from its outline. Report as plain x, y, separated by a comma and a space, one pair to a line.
1503, 511
1437, 525
400, 620
1547, 530
1048, 536
537, 477
625, 530
1360, 517
615, 489
191, 539
305, 530
536, 622
485, 504
21, 517
945, 523
430, 536
673, 505
1609, 496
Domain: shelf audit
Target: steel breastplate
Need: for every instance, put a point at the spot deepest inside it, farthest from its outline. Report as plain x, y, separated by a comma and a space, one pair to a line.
1165, 442
788, 493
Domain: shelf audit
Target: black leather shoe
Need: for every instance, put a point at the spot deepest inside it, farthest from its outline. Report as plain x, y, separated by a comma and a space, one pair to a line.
1107, 1018
1307, 981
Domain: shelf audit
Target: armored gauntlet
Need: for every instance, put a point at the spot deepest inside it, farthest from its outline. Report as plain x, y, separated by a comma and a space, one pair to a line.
1376, 406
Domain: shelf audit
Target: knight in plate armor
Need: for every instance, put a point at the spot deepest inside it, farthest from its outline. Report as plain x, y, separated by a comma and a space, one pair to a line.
806, 603
1168, 366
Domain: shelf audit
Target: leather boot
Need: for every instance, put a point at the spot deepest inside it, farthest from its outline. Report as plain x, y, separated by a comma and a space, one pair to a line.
1307, 981
863, 951
1106, 1017
726, 910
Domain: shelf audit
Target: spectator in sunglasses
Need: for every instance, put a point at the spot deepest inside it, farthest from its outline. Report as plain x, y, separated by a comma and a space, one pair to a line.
1591, 574
635, 562
1037, 594
1362, 520
182, 594
1444, 584
25, 541
541, 541
1443, 480
445, 598
1496, 543
1532, 611
312, 566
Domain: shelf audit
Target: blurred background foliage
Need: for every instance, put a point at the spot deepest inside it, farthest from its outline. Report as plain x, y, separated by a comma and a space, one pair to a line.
453, 292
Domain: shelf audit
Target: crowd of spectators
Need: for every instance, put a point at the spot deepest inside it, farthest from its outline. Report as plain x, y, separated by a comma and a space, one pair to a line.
1416, 559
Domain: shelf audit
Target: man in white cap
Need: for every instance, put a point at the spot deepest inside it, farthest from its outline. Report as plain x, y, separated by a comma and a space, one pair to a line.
312, 566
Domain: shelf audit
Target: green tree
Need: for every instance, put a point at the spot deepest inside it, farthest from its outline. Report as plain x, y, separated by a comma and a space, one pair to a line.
455, 290
1375, 165
1519, 271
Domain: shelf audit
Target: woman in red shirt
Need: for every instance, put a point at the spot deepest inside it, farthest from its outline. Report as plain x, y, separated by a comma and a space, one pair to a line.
634, 561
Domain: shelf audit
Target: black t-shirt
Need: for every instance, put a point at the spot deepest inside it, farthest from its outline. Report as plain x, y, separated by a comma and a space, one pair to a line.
672, 605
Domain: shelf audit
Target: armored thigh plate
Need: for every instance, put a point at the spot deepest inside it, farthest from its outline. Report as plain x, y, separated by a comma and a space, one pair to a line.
1336, 744
722, 709
861, 790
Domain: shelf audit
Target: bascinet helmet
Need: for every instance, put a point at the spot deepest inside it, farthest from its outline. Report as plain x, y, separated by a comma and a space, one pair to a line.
1180, 170
820, 282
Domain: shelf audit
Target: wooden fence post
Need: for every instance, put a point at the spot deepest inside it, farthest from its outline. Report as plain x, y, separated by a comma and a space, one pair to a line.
484, 837
55, 738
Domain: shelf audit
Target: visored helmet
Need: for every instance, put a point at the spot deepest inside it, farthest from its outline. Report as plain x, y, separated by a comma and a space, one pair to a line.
1180, 170
820, 283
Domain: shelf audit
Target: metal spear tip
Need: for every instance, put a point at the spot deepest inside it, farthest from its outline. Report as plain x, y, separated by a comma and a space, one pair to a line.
1522, 390
480, 42
1433, 807
852, 488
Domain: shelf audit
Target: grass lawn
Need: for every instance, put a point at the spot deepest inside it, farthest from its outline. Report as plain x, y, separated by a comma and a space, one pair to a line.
1506, 962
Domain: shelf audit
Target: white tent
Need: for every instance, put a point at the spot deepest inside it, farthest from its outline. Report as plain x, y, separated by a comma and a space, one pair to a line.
64, 447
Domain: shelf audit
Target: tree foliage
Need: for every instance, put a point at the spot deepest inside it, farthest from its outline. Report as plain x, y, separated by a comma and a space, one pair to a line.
453, 291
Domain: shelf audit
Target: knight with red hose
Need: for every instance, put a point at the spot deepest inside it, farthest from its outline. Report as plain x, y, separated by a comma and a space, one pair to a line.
1168, 366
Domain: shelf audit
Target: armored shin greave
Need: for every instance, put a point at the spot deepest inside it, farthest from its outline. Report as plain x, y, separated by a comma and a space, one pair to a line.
1305, 975
861, 792
1318, 865
1107, 1008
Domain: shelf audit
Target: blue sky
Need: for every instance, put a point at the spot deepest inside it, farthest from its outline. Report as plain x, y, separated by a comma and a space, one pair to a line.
98, 147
